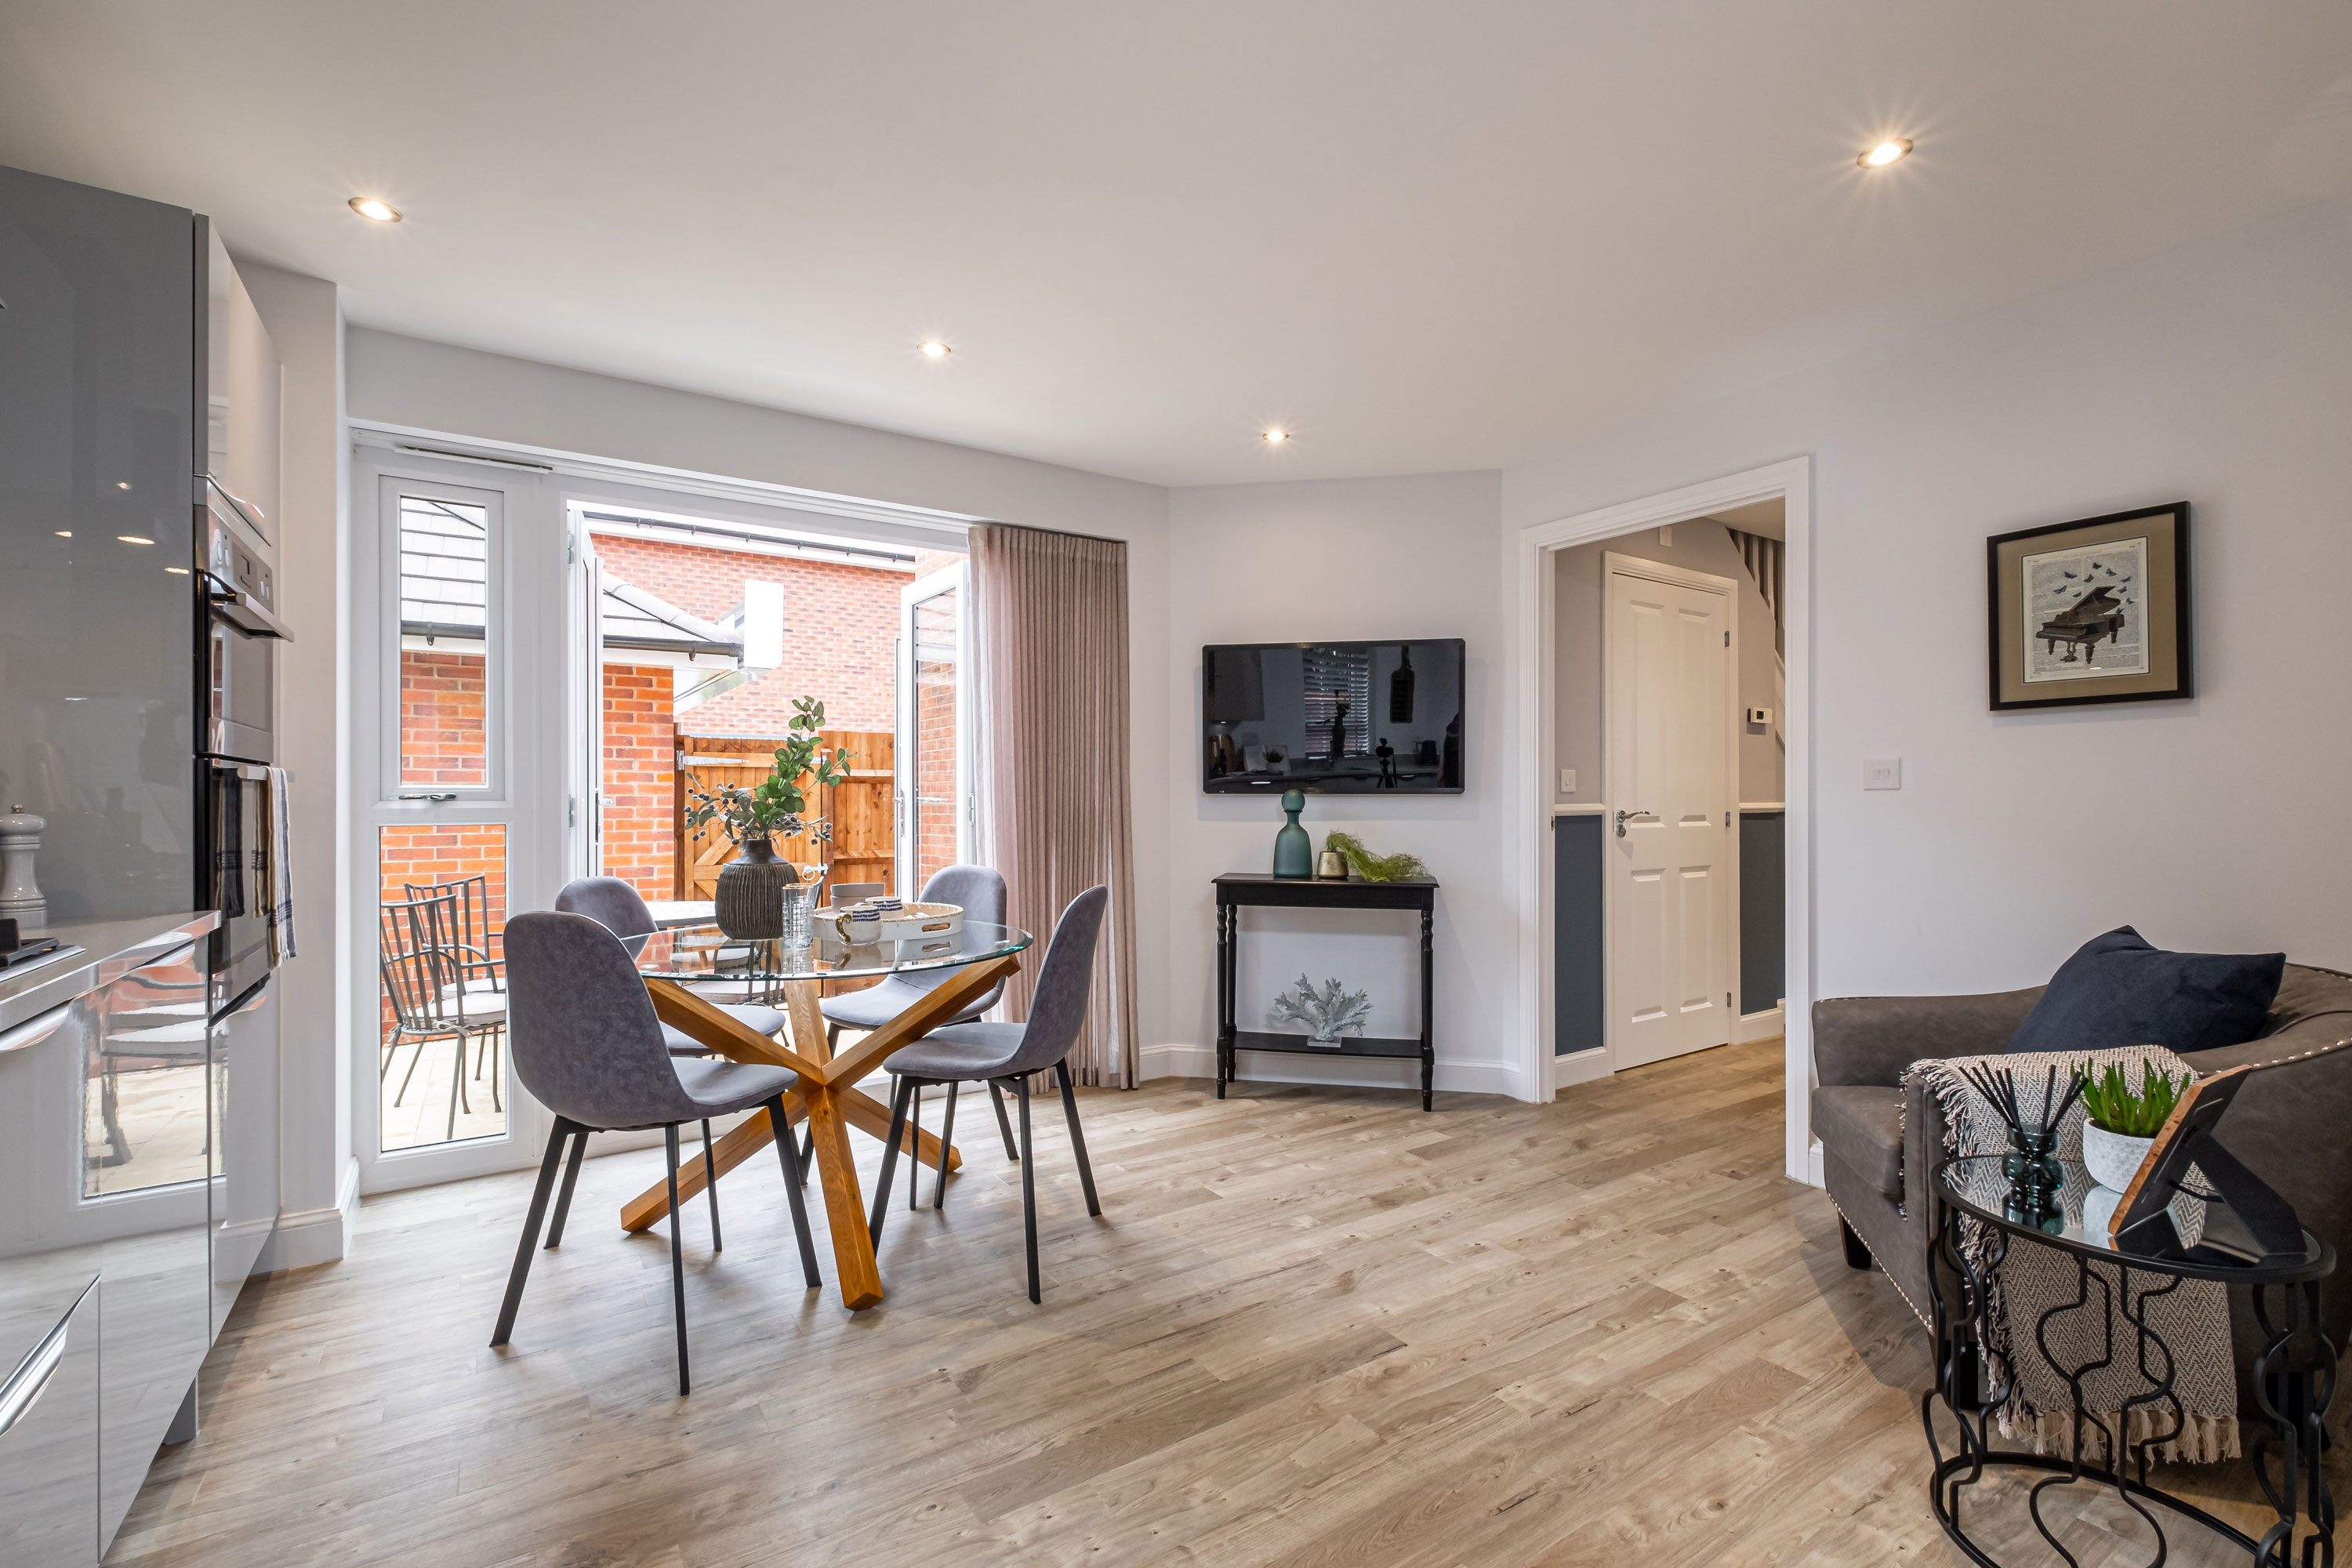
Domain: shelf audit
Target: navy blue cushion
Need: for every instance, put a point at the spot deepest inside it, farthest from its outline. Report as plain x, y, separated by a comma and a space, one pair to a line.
2118, 991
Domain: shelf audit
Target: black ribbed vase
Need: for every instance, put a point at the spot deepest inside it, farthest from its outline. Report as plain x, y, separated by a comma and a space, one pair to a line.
751, 892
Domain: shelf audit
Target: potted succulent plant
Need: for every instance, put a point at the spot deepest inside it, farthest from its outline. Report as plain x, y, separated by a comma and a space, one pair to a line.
751, 893
2121, 1122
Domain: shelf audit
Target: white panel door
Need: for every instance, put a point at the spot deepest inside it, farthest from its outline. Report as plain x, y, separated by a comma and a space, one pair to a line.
1673, 897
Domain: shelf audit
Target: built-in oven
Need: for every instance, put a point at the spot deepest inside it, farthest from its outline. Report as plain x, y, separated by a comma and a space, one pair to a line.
236, 710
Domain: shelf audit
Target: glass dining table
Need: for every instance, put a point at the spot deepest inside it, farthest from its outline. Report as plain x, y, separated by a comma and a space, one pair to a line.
691, 968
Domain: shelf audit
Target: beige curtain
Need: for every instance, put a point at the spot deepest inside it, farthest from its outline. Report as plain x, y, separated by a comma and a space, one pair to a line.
1049, 699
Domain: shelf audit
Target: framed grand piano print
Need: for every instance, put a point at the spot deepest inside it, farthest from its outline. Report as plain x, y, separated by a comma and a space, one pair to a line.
2096, 611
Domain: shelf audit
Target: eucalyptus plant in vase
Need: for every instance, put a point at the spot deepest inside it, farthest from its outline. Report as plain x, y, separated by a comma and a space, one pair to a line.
751, 892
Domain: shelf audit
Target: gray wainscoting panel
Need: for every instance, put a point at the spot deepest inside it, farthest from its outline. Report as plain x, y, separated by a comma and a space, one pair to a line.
1576, 976
1763, 903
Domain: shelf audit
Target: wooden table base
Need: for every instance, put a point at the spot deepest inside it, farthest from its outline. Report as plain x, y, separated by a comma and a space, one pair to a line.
827, 1097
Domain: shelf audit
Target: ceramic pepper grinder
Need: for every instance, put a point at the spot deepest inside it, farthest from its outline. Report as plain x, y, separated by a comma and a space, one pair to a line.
1294, 852
20, 896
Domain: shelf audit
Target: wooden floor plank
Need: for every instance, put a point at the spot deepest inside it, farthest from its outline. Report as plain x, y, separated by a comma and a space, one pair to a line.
1311, 1327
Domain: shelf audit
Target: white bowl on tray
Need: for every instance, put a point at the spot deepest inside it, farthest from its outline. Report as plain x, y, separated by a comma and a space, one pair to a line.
908, 923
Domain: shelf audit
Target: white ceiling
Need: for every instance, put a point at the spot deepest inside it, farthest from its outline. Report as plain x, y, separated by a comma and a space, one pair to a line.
1423, 235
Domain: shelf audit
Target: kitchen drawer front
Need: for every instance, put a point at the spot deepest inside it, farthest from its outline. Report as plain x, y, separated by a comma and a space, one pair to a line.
48, 1455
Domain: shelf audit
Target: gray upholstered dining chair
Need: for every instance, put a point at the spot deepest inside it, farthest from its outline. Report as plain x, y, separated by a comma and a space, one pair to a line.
615, 905
1004, 1055
585, 1041
979, 891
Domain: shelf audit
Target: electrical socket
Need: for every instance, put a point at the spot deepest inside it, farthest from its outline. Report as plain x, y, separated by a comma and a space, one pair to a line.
1882, 773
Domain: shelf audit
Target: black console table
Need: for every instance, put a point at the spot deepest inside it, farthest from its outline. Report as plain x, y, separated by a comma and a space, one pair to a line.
1236, 889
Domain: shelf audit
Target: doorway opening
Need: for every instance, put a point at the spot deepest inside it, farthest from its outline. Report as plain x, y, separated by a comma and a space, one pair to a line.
1664, 657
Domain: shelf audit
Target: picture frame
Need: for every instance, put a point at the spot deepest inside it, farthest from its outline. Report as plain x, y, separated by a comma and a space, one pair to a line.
2093, 611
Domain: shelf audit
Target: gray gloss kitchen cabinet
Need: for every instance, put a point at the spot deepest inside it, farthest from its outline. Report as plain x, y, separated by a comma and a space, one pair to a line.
48, 1442
106, 1158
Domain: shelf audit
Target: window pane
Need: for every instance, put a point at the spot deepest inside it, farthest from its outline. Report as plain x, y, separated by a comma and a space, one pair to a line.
441, 991
444, 643
937, 797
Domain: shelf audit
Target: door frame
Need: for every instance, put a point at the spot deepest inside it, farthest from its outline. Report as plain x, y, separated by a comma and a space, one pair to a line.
1614, 564
906, 758
1790, 480
527, 597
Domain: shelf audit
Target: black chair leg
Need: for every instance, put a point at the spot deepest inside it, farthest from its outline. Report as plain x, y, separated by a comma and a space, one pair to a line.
832, 1038
795, 1178
497, 1039
563, 1197
808, 1154
1078, 1139
1028, 1189
676, 1261
1857, 1252
901, 1091
531, 1224
710, 1182
947, 1132
914, 1150
996, 1098
402, 1093
457, 1092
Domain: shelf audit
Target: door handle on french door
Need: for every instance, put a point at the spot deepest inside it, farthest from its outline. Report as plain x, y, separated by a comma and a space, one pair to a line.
1623, 817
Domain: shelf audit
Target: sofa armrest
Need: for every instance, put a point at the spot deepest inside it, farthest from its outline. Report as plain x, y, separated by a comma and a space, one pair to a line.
1871, 1039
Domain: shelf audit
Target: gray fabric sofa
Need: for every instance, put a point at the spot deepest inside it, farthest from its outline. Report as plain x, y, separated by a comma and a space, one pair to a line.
2293, 1126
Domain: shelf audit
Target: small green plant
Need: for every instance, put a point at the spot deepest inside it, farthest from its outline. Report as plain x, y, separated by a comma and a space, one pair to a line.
773, 807
2111, 1103
1374, 868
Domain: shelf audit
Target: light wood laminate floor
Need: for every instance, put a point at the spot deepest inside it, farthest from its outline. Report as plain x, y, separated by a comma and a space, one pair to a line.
1313, 1327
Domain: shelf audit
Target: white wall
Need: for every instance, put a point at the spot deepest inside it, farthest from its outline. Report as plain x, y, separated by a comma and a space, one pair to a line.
1354, 559
317, 1184
2219, 373
413, 385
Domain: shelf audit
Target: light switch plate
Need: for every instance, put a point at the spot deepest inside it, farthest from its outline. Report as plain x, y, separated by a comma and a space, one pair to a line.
1882, 773
1568, 781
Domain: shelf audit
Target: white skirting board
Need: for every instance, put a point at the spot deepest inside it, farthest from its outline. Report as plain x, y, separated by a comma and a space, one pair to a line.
1338, 1072
1761, 1025
315, 1236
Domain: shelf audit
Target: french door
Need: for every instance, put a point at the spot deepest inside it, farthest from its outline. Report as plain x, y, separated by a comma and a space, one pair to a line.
453, 760
933, 794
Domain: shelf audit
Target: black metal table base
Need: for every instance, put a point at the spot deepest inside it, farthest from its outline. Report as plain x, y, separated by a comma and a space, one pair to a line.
2293, 1376
1236, 891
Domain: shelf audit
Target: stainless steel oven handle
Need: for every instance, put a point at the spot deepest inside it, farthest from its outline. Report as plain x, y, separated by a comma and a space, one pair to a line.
36, 1029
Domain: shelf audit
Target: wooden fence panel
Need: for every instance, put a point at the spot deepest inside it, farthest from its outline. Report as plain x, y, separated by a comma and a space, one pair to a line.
864, 848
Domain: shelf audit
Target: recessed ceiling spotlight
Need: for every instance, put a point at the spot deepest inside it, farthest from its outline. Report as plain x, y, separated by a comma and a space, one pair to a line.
1276, 437
177, 570
123, 484
65, 533
134, 538
1886, 152
378, 211
931, 348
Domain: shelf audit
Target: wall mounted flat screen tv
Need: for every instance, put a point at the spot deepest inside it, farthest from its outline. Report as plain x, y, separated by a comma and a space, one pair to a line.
1335, 718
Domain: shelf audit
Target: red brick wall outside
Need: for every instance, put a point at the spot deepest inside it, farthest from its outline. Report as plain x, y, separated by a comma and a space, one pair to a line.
935, 763
841, 625
441, 724
640, 782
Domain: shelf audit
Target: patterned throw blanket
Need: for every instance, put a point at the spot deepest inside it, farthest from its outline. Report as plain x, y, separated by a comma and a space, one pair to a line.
2192, 1318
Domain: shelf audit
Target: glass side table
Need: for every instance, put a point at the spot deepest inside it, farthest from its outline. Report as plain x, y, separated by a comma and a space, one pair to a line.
2294, 1374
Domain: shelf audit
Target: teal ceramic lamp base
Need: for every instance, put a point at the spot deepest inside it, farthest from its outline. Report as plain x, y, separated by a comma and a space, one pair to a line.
1294, 851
